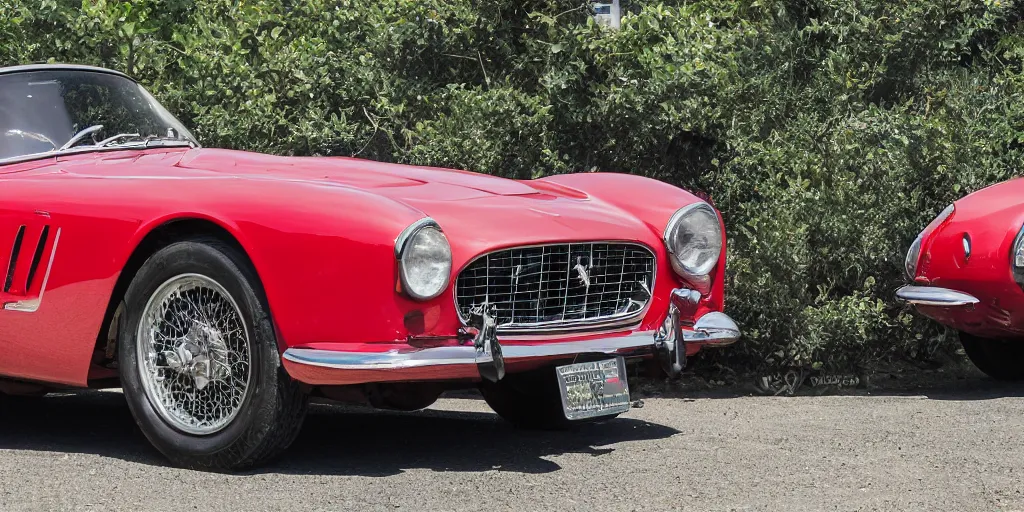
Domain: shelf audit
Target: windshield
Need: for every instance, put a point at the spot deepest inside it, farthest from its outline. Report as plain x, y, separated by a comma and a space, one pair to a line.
61, 110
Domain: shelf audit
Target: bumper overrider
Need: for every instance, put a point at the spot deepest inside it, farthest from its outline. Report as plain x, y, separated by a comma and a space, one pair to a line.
487, 356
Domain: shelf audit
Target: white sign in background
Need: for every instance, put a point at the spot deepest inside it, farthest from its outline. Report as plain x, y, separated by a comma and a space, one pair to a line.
608, 13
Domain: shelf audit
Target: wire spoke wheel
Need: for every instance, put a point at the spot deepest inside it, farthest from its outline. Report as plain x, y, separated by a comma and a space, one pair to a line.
194, 354
200, 362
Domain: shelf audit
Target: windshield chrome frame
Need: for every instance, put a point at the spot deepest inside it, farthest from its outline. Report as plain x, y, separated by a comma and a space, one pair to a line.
154, 144
28, 68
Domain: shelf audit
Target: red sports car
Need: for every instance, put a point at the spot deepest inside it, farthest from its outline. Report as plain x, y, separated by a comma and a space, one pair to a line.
221, 289
968, 272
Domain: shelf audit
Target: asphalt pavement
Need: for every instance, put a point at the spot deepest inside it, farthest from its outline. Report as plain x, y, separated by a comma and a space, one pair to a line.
959, 448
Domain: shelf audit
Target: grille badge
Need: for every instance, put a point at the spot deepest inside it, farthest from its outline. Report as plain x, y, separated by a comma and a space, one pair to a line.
583, 273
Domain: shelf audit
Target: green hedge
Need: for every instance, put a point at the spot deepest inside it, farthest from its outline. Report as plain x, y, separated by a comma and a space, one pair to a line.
827, 131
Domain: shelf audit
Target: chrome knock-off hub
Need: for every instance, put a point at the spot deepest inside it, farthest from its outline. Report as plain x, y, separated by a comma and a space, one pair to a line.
202, 355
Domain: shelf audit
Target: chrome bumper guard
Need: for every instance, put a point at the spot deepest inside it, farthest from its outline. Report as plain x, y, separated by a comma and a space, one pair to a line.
935, 296
489, 355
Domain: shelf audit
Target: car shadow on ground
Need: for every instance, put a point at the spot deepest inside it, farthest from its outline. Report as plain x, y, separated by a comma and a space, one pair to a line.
963, 388
936, 386
335, 440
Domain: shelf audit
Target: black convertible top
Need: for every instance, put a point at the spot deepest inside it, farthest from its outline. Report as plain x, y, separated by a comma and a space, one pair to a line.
60, 67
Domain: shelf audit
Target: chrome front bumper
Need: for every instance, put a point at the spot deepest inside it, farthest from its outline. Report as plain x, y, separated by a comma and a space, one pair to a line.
935, 296
487, 356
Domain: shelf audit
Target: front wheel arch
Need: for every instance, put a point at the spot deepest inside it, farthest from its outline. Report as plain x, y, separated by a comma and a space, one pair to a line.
163, 235
997, 358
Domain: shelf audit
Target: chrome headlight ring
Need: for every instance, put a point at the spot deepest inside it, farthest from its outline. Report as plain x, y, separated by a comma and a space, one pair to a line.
693, 238
1017, 257
914, 254
424, 259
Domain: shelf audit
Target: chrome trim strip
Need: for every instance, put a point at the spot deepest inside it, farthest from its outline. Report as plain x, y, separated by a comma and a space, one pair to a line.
711, 329
29, 68
571, 326
547, 332
441, 356
634, 340
392, 360
408, 232
935, 296
31, 306
92, 149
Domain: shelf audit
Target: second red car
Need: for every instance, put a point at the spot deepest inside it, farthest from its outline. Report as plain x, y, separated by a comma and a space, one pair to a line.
967, 268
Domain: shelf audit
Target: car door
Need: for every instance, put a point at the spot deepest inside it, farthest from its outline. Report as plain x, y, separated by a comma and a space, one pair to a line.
64, 240
29, 240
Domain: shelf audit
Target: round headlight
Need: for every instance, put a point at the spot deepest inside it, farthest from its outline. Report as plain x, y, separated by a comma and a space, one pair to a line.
424, 260
694, 240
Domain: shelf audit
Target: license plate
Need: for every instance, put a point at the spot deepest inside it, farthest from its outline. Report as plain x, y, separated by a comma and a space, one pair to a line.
597, 388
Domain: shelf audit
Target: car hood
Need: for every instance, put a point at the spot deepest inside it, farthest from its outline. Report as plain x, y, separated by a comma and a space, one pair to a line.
992, 200
470, 207
359, 173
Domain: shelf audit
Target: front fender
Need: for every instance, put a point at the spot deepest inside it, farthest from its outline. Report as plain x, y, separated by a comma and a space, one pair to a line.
651, 201
324, 255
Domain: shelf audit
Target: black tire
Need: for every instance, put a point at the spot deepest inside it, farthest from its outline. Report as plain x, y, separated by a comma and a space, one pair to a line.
530, 400
999, 359
271, 414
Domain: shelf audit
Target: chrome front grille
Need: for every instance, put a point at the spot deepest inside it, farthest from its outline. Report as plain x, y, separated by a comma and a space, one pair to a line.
559, 285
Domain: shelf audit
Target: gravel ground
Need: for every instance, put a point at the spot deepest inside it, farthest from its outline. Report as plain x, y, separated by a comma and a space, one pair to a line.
959, 448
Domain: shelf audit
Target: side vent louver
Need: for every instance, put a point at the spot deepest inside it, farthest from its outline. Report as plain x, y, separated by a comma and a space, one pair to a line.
25, 279
37, 257
14, 259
